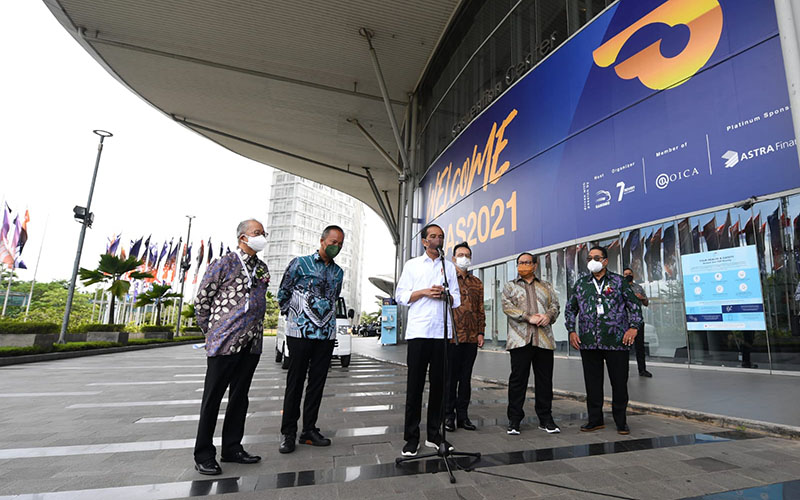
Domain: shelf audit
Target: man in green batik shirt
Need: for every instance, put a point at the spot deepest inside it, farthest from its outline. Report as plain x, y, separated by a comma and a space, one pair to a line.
608, 316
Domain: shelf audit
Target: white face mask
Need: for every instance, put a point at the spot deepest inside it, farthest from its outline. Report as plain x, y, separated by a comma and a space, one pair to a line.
257, 243
463, 262
595, 266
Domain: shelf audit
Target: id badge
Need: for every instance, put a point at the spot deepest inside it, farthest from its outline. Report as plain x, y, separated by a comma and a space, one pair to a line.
600, 309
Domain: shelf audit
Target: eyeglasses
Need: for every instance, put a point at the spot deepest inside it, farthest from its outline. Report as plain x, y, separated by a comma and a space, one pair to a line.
598, 258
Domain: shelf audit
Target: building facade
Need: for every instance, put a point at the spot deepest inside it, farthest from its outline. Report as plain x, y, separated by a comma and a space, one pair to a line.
299, 210
549, 126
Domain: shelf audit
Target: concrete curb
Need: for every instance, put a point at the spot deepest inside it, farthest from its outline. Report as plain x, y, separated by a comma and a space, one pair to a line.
51, 356
725, 421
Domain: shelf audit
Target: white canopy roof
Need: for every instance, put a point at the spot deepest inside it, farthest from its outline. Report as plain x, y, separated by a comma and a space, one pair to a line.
275, 81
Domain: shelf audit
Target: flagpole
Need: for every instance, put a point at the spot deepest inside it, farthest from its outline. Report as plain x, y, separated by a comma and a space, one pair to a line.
36, 269
184, 268
8, 291
85, 222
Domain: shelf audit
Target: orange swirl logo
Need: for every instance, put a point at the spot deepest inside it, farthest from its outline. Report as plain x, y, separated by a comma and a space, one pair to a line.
704, 20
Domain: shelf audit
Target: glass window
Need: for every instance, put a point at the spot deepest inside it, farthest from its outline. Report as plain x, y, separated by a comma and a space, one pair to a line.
488, 278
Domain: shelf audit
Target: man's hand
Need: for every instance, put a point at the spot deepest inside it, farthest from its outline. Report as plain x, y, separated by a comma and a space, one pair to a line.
480, 340
574, 341
629, 336
434, 292
544, 320
640, 296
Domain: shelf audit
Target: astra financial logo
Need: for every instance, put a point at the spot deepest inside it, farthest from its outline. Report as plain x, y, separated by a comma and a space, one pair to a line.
733, 158
664, 180
654, 71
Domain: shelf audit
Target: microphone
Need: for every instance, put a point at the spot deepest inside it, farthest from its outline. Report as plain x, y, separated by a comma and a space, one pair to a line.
441, 252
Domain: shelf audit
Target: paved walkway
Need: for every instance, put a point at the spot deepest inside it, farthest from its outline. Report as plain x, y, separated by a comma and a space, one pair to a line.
746, 395
121, 426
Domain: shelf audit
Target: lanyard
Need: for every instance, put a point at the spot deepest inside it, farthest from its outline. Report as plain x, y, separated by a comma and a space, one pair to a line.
599, 287
249, 282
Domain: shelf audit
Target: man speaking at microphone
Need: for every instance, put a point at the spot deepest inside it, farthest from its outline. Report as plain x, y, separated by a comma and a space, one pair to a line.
421, 288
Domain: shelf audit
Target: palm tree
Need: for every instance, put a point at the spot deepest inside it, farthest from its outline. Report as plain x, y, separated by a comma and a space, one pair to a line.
157, 295
188, 312
111, 270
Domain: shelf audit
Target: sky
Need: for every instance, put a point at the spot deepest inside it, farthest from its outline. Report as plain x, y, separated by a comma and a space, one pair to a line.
153, 172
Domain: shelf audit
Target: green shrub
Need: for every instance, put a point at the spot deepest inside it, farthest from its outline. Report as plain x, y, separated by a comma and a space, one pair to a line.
29, 327
191, 329
147, 341
84, 346
22, 351
186, 338
154, 328
100, 327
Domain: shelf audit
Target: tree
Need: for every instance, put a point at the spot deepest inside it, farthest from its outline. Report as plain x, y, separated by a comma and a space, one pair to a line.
111, 270
188, 312
271, 315
50, 304
158, 295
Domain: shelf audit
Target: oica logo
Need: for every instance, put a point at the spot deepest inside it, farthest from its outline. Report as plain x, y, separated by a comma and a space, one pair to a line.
704, 20
664, 180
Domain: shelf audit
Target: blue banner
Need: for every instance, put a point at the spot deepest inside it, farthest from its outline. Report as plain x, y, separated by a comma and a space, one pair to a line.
722, 290
656, 108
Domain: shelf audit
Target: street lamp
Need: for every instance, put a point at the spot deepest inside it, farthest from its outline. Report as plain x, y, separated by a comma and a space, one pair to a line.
185, 265
85, 217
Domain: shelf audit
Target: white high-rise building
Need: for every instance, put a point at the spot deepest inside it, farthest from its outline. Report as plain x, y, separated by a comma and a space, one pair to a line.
299, 209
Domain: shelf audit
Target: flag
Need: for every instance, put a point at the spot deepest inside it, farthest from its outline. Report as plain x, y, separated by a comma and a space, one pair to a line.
796, 247
122, 254
583, 255
711, 235
163, 254
637, 251
775, 239
735, 234
187, 258
613, 251
23, 235
113, 243
653, 257
146, 248
570, 265
696, 237
220, 254
685, 237
724, 232
626, 253
210, 252
134, 251
199, 261
670, 255
171, 259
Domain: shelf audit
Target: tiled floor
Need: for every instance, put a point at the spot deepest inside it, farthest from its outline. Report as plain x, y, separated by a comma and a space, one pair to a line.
122, 425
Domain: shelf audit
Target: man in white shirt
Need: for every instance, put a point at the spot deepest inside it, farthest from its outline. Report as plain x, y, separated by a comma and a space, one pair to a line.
421, 288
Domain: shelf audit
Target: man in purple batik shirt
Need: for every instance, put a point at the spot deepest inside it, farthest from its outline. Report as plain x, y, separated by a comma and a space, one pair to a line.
230, 308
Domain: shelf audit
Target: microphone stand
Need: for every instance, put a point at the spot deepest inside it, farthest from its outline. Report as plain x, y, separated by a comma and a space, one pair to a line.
444, 451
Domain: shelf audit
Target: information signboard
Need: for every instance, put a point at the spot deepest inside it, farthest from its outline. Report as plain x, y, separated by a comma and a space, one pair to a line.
722, 290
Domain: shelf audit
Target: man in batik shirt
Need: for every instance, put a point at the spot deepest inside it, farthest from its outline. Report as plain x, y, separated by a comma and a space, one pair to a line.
307, 297
230, 307
531, 306
470, 322
609, 316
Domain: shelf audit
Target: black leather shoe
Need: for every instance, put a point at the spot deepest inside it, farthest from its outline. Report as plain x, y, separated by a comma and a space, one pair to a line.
242, 457
210, 467
287, 443
590, 427
466, 424
449, 425
645, 373
314, 438
623, 429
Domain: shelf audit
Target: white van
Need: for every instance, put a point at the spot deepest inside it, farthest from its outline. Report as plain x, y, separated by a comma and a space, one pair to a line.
343, 343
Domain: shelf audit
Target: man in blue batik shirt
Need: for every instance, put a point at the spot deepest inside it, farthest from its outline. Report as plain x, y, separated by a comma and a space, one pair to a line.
307, 297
